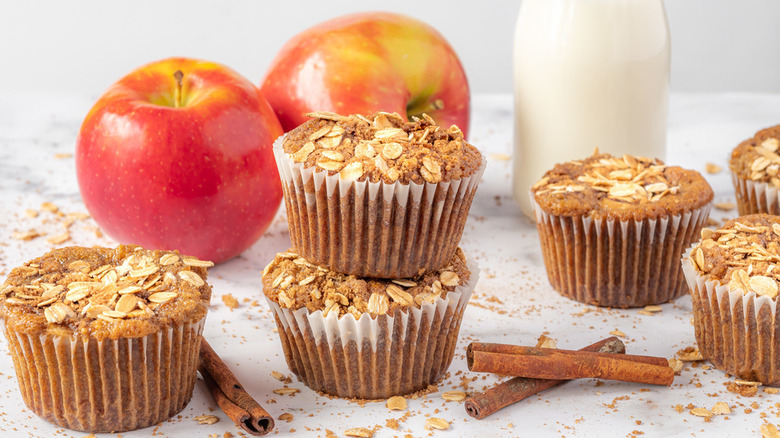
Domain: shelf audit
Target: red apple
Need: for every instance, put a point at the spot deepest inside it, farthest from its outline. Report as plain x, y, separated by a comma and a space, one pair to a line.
362, 63
181, 160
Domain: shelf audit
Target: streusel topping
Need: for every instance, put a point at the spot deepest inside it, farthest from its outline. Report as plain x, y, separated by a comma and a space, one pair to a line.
757, 158
128, 289
603, 185
294, 283
382, 147
744, 254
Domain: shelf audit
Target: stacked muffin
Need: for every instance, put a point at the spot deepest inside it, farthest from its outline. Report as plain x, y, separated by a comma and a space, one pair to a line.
106, 340
369, 300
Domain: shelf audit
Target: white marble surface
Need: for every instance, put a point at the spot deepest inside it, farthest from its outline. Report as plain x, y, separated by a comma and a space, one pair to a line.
513, 302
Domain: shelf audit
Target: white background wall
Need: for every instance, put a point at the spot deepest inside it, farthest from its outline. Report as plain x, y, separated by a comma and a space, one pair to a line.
85, 45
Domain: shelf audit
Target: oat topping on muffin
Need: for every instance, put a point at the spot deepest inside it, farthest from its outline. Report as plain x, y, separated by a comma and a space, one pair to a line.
757, 158
293, 282
605, 184
382, 147
76, 287
744, 254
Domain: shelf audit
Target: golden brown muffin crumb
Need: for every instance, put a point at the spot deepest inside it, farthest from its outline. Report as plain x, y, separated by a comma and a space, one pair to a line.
757, 158
742, 254
124, 292
605, 186
382, 147
293, 283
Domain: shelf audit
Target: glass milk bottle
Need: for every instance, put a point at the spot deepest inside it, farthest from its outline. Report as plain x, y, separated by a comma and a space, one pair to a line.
588, 73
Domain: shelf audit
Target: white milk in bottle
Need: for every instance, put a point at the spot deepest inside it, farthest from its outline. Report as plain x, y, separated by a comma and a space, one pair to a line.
588, 73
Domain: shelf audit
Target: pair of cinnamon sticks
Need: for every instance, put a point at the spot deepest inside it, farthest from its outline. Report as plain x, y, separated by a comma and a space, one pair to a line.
231, 397
541, 368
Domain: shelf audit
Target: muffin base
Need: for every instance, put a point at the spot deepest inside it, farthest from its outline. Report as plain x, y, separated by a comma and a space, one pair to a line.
373, 229
110, 385
738, 332
613, 263
755, 197
374, 358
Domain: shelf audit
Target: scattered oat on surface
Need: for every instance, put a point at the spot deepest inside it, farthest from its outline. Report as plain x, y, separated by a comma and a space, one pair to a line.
725, 206
26, 235
769, 430
454, 395
701, 412
720, 408
676, 365
359, 432
436, 423
712, 168
500, 157
206, 419
286, 391
617, 333
288, 417
545, 341
396, 403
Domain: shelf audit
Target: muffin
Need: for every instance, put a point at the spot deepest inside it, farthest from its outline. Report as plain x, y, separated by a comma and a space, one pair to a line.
612, 230
367, 338
733, 277
106, 340
755, 165
376, 196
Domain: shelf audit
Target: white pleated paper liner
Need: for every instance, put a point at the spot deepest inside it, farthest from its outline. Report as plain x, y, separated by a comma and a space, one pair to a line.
373, 229
374, 358
617, 263
736, 331
755, 196
106, 385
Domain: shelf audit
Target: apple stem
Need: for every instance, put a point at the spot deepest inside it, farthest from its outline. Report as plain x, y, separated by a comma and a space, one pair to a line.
430, 106
178, 75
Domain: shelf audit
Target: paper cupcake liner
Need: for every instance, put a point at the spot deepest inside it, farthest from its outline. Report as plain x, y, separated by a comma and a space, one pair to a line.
109, 385
738, 332
756, 197
373, 229
614, 263
374, 358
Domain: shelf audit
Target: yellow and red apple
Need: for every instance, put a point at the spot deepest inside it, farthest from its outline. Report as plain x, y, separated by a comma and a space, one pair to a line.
177, 155
366, 62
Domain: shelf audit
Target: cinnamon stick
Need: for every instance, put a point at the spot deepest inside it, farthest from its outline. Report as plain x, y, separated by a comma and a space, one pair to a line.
551, 363
230, 395
519, 388
516, 349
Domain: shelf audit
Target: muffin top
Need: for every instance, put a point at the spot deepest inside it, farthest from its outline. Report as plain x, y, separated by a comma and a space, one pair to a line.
743, 254
294, 283
103, 293
757, 158
382, 147
603, 186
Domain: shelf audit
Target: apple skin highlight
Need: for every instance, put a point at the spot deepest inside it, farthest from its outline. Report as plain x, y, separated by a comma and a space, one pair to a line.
367, 62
